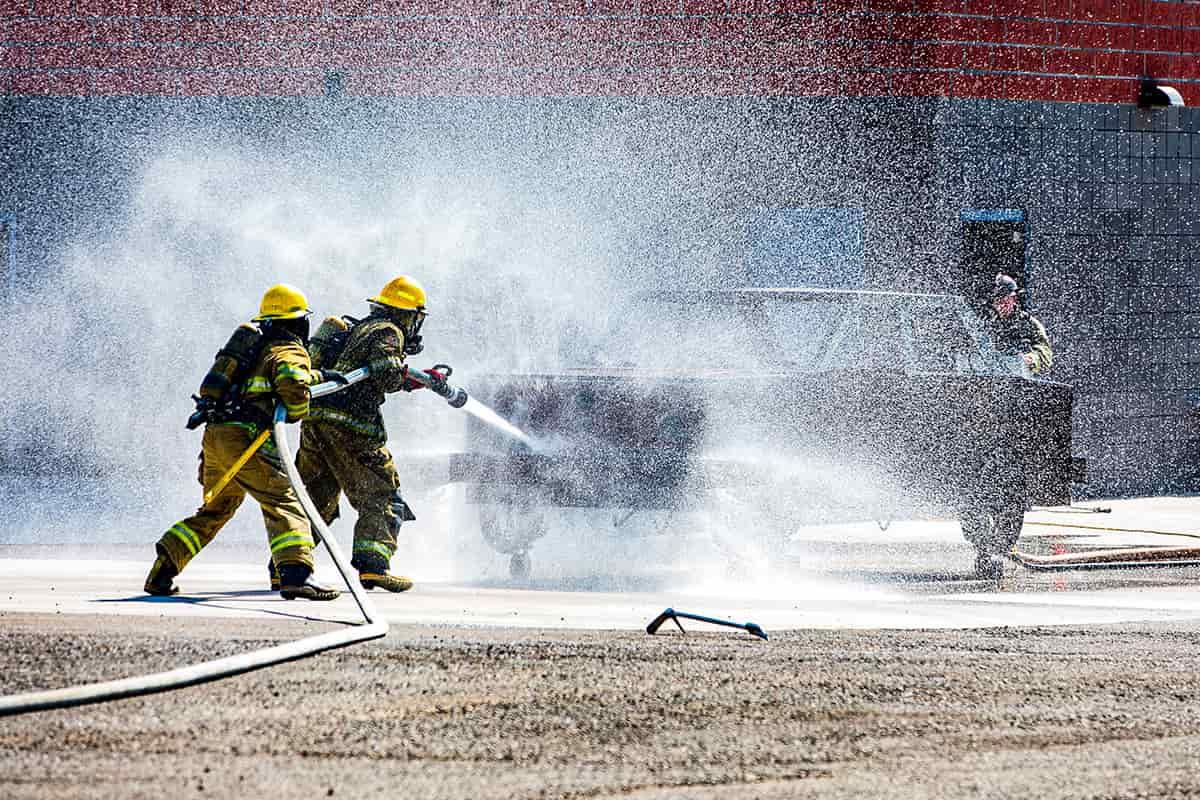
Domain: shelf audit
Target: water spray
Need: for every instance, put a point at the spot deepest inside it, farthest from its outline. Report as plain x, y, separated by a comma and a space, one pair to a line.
489, 416
456, 396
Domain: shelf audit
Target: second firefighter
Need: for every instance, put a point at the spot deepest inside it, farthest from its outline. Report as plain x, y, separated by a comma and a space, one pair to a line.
343, 442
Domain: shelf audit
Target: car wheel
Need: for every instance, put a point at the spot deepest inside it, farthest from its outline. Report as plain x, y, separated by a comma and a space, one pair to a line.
1008, 526
989, 567
519, 566
511, 529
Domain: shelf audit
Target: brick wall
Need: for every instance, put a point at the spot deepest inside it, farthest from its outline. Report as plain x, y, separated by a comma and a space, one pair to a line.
1112, 196
1070, 50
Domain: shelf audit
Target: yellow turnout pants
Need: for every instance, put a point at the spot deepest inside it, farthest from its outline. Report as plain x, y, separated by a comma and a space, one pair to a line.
263, 478
333, 460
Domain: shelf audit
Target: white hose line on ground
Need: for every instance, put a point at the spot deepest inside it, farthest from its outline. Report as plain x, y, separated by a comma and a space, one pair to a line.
208, 671
375, 622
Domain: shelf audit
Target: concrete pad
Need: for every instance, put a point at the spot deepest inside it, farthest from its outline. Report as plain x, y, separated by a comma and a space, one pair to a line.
914, 574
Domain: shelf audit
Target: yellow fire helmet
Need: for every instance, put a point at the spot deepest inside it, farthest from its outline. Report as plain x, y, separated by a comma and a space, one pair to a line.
403, 294
283, 301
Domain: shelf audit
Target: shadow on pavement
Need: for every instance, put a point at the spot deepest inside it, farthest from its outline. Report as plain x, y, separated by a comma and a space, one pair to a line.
209, 600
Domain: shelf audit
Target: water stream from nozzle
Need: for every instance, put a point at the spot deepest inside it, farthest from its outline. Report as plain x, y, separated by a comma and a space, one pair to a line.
485, 414
453, 396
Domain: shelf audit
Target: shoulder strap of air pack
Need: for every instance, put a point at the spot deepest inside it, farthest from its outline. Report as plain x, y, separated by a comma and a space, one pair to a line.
224, 385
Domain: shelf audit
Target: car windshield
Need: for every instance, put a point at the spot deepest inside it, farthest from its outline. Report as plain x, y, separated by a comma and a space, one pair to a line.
913, 333
685, 334
807, 332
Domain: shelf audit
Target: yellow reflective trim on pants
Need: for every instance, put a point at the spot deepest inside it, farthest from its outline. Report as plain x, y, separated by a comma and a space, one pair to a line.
373, 547
186, 535
291, 539
258, 386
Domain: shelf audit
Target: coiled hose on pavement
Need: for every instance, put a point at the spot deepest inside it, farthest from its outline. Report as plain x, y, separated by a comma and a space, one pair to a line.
376, 626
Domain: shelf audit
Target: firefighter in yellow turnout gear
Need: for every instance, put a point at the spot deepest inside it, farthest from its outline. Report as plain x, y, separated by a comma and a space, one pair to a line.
280, 370
343, 442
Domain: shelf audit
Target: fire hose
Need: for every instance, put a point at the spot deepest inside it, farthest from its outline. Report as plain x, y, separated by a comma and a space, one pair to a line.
376, 626
1115, 557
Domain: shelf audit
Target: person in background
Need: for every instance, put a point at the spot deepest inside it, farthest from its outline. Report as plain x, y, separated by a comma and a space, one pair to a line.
1014, 330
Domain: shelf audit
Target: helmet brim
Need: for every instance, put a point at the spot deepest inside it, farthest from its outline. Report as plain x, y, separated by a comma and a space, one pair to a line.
379, 301
303, 312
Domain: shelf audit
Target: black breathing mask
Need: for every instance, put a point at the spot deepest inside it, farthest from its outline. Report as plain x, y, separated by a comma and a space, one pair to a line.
412, 334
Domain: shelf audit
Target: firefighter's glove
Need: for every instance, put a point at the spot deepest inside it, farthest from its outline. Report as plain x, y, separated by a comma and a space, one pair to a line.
203, 412
333, 375
437, 382
411, 384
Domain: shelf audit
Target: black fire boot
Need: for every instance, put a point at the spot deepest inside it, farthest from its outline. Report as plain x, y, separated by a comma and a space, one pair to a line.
274, 575
161, 580
385, 580
373, 572
296, 582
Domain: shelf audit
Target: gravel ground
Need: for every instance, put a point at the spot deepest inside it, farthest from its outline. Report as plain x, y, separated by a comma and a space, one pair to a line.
1099, 712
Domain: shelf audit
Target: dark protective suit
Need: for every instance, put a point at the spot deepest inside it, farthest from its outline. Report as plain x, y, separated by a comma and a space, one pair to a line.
1021, 333
282, 370
343, 444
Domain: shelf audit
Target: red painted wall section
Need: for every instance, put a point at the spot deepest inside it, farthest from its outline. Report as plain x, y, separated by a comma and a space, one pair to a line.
1067, 50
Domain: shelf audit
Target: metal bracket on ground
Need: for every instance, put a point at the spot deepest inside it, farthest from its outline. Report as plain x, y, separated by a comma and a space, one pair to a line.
672, 614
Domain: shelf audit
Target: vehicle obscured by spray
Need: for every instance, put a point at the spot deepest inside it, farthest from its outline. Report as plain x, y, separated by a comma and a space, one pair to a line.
881, 406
